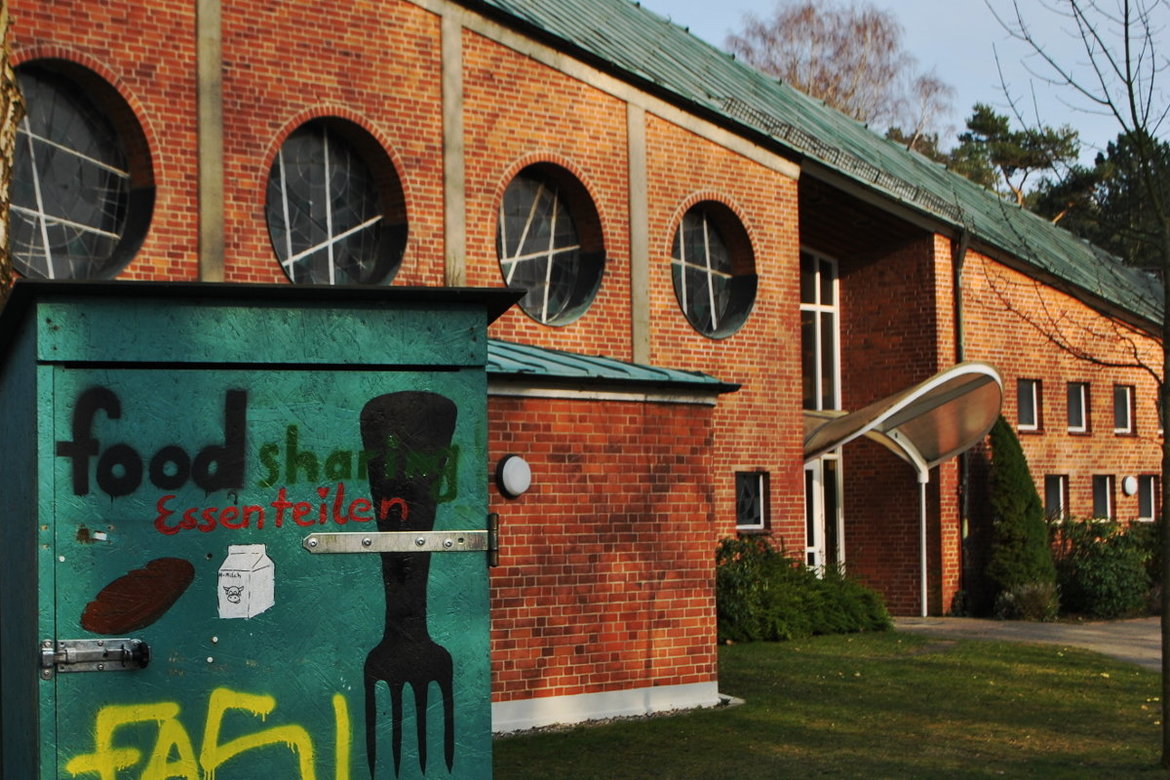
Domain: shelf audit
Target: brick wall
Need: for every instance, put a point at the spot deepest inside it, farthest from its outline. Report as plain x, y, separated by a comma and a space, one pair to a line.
1031, 331
889, 342
547, 117
760, 426
287, 62
606, 565
153, 70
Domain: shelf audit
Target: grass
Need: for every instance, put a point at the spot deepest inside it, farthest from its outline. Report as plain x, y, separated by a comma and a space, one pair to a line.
883, 705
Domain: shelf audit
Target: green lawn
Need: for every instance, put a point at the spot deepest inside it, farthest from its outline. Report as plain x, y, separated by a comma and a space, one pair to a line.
879, 705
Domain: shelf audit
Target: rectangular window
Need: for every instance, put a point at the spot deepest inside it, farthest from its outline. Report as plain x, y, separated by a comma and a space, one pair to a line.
1122, 409
1103, 496
1056, 496
751, 500
1028, 404
1147, 497
1078, 407
819, 323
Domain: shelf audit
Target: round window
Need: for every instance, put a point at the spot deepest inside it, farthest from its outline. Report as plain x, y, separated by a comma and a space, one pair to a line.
713, 270
335, 207
548, 241
79, 207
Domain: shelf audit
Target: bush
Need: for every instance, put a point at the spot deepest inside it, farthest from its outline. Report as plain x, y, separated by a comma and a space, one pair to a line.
1031, 601
1021, 565
761, 594
1105, 568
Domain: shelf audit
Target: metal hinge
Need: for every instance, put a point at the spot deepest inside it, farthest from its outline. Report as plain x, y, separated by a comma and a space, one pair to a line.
92, 655
410, 541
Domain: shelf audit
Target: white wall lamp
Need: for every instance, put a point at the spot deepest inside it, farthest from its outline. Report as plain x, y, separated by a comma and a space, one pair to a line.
1129, 485
513, 476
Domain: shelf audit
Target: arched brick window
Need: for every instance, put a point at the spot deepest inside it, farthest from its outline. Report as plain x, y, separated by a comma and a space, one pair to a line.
82, 187
335, 206
713, 269
548, 241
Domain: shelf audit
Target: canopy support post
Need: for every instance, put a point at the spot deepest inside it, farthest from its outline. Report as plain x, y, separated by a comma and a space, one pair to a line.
923, 478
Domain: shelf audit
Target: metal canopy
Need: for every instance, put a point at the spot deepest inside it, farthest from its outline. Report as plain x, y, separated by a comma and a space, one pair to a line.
924, 425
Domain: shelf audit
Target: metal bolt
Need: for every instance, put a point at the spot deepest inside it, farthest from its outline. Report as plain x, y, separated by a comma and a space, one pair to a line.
420, 542
367, 541
448, 543
101, 667
313, 542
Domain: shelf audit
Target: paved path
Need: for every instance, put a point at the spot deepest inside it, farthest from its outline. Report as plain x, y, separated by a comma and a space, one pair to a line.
1136, 641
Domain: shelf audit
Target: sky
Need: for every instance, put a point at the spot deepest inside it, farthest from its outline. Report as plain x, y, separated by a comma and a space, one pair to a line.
956, 39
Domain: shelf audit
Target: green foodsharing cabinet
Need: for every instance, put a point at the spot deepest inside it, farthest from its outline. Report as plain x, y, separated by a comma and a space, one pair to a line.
246, 532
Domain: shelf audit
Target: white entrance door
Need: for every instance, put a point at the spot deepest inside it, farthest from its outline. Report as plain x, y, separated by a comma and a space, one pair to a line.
822, 512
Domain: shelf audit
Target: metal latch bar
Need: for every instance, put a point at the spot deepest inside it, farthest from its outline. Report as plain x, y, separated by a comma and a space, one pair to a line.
92, 655
397, 542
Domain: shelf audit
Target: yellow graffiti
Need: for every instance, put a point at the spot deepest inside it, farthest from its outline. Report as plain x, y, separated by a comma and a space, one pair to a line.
106, 760
173, 755
341, 718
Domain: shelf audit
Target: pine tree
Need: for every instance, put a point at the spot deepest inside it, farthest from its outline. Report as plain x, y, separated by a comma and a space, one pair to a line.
1021, 560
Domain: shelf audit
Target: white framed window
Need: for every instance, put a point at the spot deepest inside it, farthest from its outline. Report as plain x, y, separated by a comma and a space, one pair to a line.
1028, 404
1078, 407
1103, 496
820, 332
1123, 409
1056, 496
1147, 497
751, 500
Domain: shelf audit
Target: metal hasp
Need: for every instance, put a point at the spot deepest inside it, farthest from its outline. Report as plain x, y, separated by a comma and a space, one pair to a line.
410, 542
92, 655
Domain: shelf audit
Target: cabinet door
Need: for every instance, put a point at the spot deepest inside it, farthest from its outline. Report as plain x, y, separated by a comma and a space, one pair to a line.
184, 499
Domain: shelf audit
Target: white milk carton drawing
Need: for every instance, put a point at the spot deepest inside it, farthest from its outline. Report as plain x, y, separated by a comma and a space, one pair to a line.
247, 581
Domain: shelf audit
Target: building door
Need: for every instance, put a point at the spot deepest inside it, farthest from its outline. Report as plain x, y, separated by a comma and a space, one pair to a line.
225, 570
822, 513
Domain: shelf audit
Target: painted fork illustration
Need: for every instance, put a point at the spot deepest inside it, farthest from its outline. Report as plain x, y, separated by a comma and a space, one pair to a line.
408, 435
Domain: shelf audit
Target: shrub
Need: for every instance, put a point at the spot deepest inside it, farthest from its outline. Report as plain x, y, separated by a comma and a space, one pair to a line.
761, 594
1030, 601
1104, 568
1020, 565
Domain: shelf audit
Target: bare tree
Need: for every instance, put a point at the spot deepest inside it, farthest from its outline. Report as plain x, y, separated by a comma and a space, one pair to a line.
11, 111
1119, 72
849, 56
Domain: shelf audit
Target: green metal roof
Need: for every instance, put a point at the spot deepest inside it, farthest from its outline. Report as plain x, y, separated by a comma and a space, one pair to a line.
622, 37
509, 360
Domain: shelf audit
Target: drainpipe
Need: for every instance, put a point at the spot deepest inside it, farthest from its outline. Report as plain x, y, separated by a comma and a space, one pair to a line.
958, 260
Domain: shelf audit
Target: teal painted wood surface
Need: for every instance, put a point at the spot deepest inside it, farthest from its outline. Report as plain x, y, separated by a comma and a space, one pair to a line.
176, 460
18, 576
286, 677
190, 332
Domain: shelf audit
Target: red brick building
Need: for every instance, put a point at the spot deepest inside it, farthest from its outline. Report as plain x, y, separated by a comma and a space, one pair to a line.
669, 210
